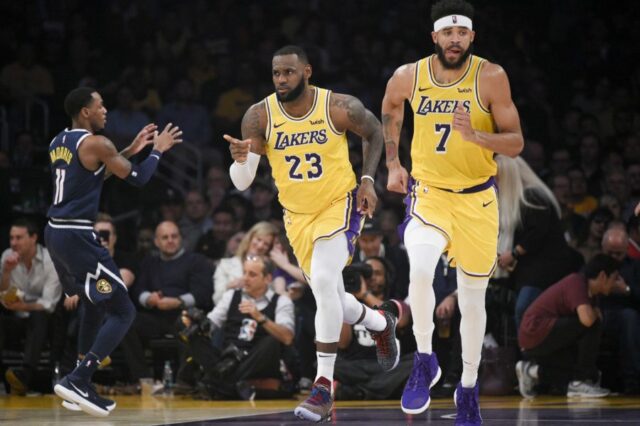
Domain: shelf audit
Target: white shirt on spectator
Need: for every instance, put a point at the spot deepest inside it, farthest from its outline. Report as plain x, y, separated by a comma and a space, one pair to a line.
40, 284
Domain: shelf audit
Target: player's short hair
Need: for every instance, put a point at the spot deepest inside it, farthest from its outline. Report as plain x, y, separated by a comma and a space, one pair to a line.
600, 263
451, 7
23, 222
77, 99
293, 50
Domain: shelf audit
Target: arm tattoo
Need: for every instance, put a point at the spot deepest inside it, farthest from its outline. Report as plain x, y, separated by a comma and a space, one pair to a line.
251, 125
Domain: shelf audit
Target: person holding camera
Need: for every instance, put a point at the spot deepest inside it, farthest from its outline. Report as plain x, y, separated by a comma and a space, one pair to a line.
255, 322
357, 371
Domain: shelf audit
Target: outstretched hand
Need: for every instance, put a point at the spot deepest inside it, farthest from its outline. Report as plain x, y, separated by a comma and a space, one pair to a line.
366, 198
170, 136
143, 138
239, 148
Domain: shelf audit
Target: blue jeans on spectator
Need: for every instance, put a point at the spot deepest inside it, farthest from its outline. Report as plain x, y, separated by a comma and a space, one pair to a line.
624, 325
525, 297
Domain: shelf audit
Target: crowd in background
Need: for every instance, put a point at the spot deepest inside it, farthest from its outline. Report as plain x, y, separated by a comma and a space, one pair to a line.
575, 80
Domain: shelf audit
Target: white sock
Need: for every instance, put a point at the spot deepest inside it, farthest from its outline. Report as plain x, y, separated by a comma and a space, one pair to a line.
424, 247
471, 300
373, 320
326, 363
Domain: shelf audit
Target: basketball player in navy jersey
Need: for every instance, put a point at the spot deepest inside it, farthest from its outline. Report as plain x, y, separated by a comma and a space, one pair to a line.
80, 160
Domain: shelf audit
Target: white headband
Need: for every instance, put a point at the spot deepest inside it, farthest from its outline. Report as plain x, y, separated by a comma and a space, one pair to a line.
452, 21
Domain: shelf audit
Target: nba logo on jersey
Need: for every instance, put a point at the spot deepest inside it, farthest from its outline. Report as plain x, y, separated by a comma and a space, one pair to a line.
247, 330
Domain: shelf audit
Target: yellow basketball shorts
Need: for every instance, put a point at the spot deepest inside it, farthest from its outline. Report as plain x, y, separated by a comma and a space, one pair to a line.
303, 229
469, 221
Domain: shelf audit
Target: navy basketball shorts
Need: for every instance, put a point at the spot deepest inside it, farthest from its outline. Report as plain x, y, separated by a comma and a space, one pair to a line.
84, 266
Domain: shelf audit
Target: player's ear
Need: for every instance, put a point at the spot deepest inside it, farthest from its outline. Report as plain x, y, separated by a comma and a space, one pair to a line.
308, 71
473, 36
434, 37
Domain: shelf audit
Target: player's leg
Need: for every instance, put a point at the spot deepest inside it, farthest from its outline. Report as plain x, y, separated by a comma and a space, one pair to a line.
425, 245
475, 245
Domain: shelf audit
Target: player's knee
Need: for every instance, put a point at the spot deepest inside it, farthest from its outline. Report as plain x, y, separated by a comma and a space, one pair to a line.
324, 281
421, 273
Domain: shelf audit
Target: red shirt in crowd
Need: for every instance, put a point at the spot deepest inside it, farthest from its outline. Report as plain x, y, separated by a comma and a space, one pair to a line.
560, 300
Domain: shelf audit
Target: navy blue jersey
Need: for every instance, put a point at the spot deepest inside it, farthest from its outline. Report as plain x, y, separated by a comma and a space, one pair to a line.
76, 190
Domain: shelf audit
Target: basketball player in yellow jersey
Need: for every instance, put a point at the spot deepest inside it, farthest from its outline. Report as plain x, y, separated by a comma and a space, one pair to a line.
463, 115
301, 129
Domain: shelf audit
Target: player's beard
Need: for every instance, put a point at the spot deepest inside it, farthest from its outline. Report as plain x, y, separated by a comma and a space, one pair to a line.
455, 65
293, 93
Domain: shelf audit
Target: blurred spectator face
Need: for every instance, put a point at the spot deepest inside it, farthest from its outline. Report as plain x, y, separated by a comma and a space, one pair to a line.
260, 245
623, 122
195, 206
597, 226
125, 99
615, 243
168, 239
370, 244
21, 242
560, 161
233, 243
610, 202
377, 283
389, 224
144, 240
633, 177
534, 155
4, 160
578, 183
571, 122
617, 185
612, 161
561, 187
261, 197
589, 149
217, 177
223, 225
453, 46
632, 149
184, 91
106, 234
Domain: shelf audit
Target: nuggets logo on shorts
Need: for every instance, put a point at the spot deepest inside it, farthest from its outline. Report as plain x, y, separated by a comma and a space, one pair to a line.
103, 286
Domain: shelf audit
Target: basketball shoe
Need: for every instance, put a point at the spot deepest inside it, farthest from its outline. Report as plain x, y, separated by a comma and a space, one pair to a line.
387, 346
318, 405
425, 374
466, 400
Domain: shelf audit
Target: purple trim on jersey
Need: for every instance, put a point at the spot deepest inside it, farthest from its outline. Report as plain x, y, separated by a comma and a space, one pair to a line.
408, 201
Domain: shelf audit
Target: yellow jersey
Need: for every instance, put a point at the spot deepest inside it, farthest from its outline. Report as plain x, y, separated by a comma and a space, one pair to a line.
309, 158
440, 157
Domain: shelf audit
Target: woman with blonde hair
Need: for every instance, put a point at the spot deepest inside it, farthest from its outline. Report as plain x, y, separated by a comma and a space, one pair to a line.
258, 241
531, 244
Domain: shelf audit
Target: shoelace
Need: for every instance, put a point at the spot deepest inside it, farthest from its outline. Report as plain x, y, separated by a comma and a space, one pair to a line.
470, 404
319, 396
418, 378
381, 339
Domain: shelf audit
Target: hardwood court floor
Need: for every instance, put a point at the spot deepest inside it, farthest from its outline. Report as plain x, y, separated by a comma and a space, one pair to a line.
137, 410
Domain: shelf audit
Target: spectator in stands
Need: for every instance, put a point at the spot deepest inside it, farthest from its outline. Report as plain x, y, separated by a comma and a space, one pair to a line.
590, 239
582, 202
620, 310
560, 333
166, 285
124, 121
560, 162
370, 244
193, 118
611, 203
171, 206
263, 195
108, 236
30, 291
196, 221
257, 242
213, 243
218, 185
357, 371
572, 223
256, 324
531, 243
25, 78
589, 162
617, 185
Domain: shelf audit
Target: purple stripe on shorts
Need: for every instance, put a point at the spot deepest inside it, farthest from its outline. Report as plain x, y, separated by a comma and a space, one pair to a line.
408, 202
354, 222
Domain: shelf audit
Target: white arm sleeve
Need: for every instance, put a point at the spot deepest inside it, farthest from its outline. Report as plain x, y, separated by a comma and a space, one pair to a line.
243, 174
